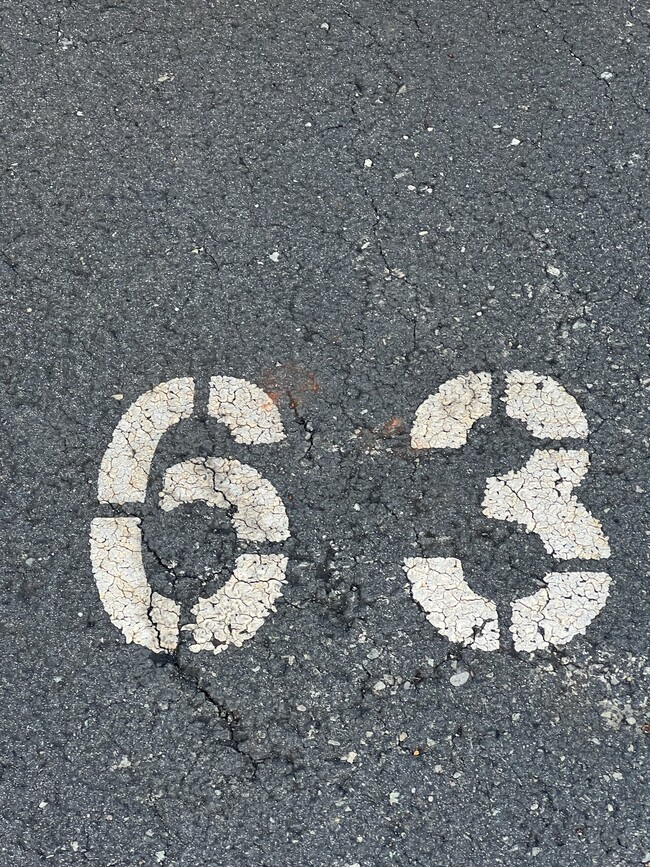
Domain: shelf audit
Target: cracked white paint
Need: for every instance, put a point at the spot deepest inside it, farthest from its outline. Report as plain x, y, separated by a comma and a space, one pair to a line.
144, 617
260, 515
546, 407
237, 610
247, 411
539, 496
560, 611
124, 470
443, 420
451, 606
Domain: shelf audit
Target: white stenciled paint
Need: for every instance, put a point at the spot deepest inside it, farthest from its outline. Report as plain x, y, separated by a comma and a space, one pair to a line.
560, 611
237, 610
247, 411
259, 516
451, 606
443, 419
539, 496
546, 407
144, 617
124, 470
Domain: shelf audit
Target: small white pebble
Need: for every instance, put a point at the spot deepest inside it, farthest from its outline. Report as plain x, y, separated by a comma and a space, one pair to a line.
274, 256
117, 396
324, 26
607, 75
394, 797
514, 142
379, 686
553, 271
367, 164
459, 679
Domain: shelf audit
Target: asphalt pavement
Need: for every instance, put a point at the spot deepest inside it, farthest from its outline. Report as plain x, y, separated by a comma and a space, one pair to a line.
346, 205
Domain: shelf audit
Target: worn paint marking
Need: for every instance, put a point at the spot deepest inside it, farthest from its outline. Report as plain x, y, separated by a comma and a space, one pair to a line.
248, 412
443, 420
237, 610
125, 467
546, 407
560, 611
451, 606
540, 497
260, 515
143, 616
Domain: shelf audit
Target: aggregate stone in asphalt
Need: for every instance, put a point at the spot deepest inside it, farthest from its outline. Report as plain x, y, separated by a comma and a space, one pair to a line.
351, 206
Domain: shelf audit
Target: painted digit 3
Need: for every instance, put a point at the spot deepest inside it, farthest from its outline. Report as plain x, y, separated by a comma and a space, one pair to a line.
237, 610
539, 496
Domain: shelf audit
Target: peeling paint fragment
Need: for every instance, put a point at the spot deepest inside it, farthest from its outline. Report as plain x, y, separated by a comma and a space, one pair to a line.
246, 410
260, 514
451, 606
560, 611
539, 497
443, 420
237, 610
546, 407
124, 470
143, 616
